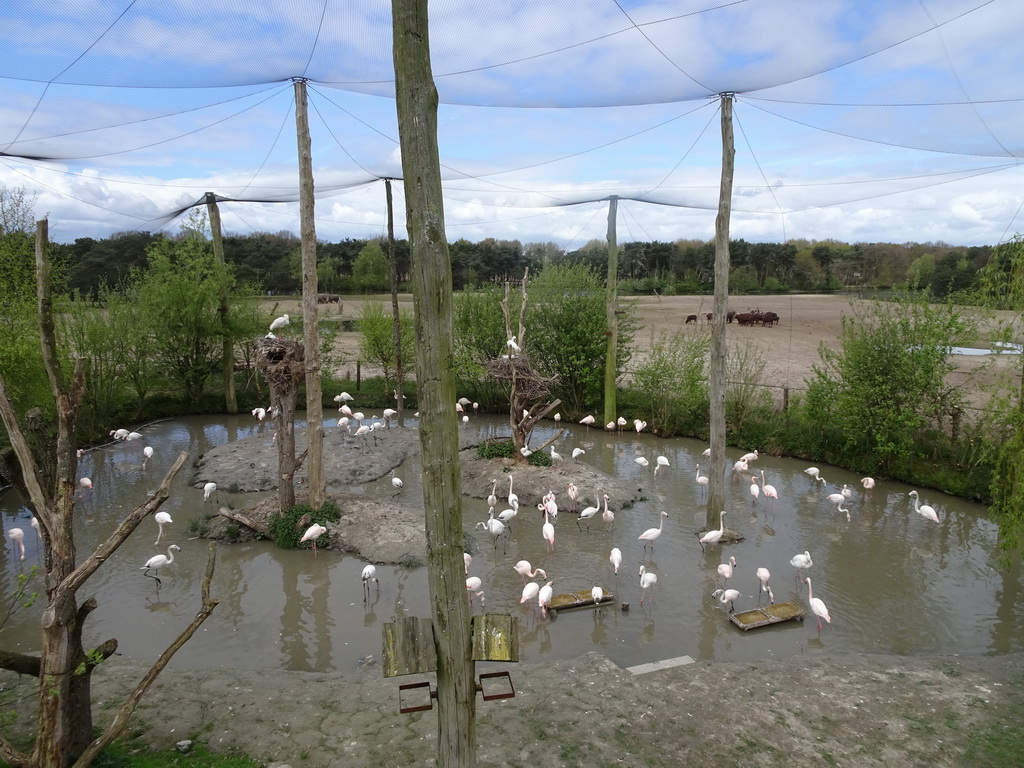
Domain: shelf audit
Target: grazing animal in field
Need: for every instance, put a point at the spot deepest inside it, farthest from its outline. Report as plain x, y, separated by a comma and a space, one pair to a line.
691, 318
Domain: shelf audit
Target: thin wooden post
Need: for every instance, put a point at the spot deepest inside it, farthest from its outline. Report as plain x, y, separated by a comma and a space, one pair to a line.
310, 310
720, 305
612, 299
416, 100
395, 314
228, 349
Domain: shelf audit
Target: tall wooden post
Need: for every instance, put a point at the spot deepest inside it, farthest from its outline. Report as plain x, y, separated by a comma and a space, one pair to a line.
416, 100
228, 350
395, 314
719, 352
314, 397
612, 299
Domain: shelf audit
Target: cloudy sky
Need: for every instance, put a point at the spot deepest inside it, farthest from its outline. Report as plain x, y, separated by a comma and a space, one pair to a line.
859, 120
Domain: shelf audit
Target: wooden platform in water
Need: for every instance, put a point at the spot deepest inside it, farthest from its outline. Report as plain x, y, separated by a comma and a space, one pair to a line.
581, 599
770, 614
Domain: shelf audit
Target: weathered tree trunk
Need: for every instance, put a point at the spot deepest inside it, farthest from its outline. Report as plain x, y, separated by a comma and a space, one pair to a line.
612, 299
224, 310
395, 314
416, 100
314, 396
719, 352
284, 400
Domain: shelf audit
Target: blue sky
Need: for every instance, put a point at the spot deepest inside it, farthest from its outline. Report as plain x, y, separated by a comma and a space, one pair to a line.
859, 120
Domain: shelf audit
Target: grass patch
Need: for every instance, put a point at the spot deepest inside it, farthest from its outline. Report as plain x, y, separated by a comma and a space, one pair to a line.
503, 448
117, 755
998, 746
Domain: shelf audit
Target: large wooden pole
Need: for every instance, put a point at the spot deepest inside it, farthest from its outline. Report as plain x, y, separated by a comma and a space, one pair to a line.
612, 299
314, 397
395, 314
716, 484
228, 350
416, 100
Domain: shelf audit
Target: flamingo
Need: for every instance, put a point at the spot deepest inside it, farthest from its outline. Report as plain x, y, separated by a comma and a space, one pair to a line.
640, 426
524, 569
369, 574
769, 490
847, 491
647, 581
493, 526
868, 483
209, 490
702, 481
344, 397
555, 456
548, 530
597, 595
749, 456
755, 490
259, 413
577, 452
615, 558
817, 606
573, 492
620, 422
607, 515
530, 591
725, 569
610, 426
924, 510
651, 534
715, 534
156, 562
162, 519
727, 596
841, 508
468, 558
513, 347
558, 419
507, 515
588, 420
86, 483
642, 461
473, 586
147, 452
119, 434
763, 574
314, 532
396, 483
586, 513
544, 597
740, 466
814, 473
662, 461
801, 563
492, 499
513, 499
17, 535
550, 505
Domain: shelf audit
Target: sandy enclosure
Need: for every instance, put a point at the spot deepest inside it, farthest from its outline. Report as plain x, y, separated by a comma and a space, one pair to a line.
789, 349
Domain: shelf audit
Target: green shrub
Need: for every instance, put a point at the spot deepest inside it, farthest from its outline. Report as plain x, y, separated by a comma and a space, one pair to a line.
287, 531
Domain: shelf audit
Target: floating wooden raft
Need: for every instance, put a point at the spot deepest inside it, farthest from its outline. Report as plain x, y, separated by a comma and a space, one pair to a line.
580, 599
770, 614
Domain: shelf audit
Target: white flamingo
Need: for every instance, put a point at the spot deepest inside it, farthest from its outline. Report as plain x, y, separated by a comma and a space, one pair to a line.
801, 562
651, 534
715, 534
727, 596
615, 558
156, 562
647, 581
817, 606
702, 481
725, 570
763, 574
924, 510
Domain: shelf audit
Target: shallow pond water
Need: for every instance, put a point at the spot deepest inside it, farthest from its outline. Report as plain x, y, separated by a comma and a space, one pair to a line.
893, 581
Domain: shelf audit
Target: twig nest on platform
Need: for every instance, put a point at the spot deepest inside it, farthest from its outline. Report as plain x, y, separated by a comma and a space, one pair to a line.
281, 361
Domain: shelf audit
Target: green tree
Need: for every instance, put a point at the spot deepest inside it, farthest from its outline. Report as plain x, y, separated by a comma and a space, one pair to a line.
370, 269
479, 337
672, 381
567, 323
181, 295
1001, 286
885, 383
377, 343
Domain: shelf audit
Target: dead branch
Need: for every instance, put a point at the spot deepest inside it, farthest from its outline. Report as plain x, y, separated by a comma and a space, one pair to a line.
120, 721
248, 522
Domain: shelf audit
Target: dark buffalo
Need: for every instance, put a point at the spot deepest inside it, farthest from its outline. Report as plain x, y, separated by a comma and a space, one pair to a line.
691, 318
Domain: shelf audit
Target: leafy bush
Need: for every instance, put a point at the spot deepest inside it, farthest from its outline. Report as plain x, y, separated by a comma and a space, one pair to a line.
287, 530
506, 449
672, 381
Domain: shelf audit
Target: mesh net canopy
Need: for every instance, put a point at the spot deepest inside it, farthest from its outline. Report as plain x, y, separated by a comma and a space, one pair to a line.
136, 108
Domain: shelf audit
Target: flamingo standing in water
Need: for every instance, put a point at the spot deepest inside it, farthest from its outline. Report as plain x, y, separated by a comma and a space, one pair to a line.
702, 481
727, 596
18, 537
715, 534
801, 562
651, 534
769, 490
615, 558
573, 492
156, 562
647, 581
924, 510
314, 532
162, 519
369, 574
525, 569
763, 574
817, 606
544, 598
725, 569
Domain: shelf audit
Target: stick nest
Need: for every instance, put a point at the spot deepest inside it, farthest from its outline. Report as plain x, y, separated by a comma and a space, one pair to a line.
281, 361
530, 385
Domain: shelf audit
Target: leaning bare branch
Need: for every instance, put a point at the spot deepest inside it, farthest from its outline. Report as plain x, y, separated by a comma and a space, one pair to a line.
78, 577
120, 721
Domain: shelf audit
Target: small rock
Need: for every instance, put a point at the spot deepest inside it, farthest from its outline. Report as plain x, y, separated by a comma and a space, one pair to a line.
185, 745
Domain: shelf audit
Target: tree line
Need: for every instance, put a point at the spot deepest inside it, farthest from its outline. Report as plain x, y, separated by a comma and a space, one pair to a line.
270, 262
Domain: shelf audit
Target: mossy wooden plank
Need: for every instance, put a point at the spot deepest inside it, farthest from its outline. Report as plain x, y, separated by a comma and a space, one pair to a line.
495, 637
407, 647
580, 599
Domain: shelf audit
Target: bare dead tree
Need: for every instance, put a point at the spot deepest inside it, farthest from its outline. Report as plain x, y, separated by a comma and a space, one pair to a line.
282, 364
527, 389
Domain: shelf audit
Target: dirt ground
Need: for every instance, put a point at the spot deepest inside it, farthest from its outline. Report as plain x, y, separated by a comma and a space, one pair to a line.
789, 349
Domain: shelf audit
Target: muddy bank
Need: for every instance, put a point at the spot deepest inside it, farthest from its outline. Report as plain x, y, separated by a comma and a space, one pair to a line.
858, 711
388, 530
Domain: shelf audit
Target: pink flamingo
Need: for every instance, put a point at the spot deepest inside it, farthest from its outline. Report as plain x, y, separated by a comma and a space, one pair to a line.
314, 532
817, 606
